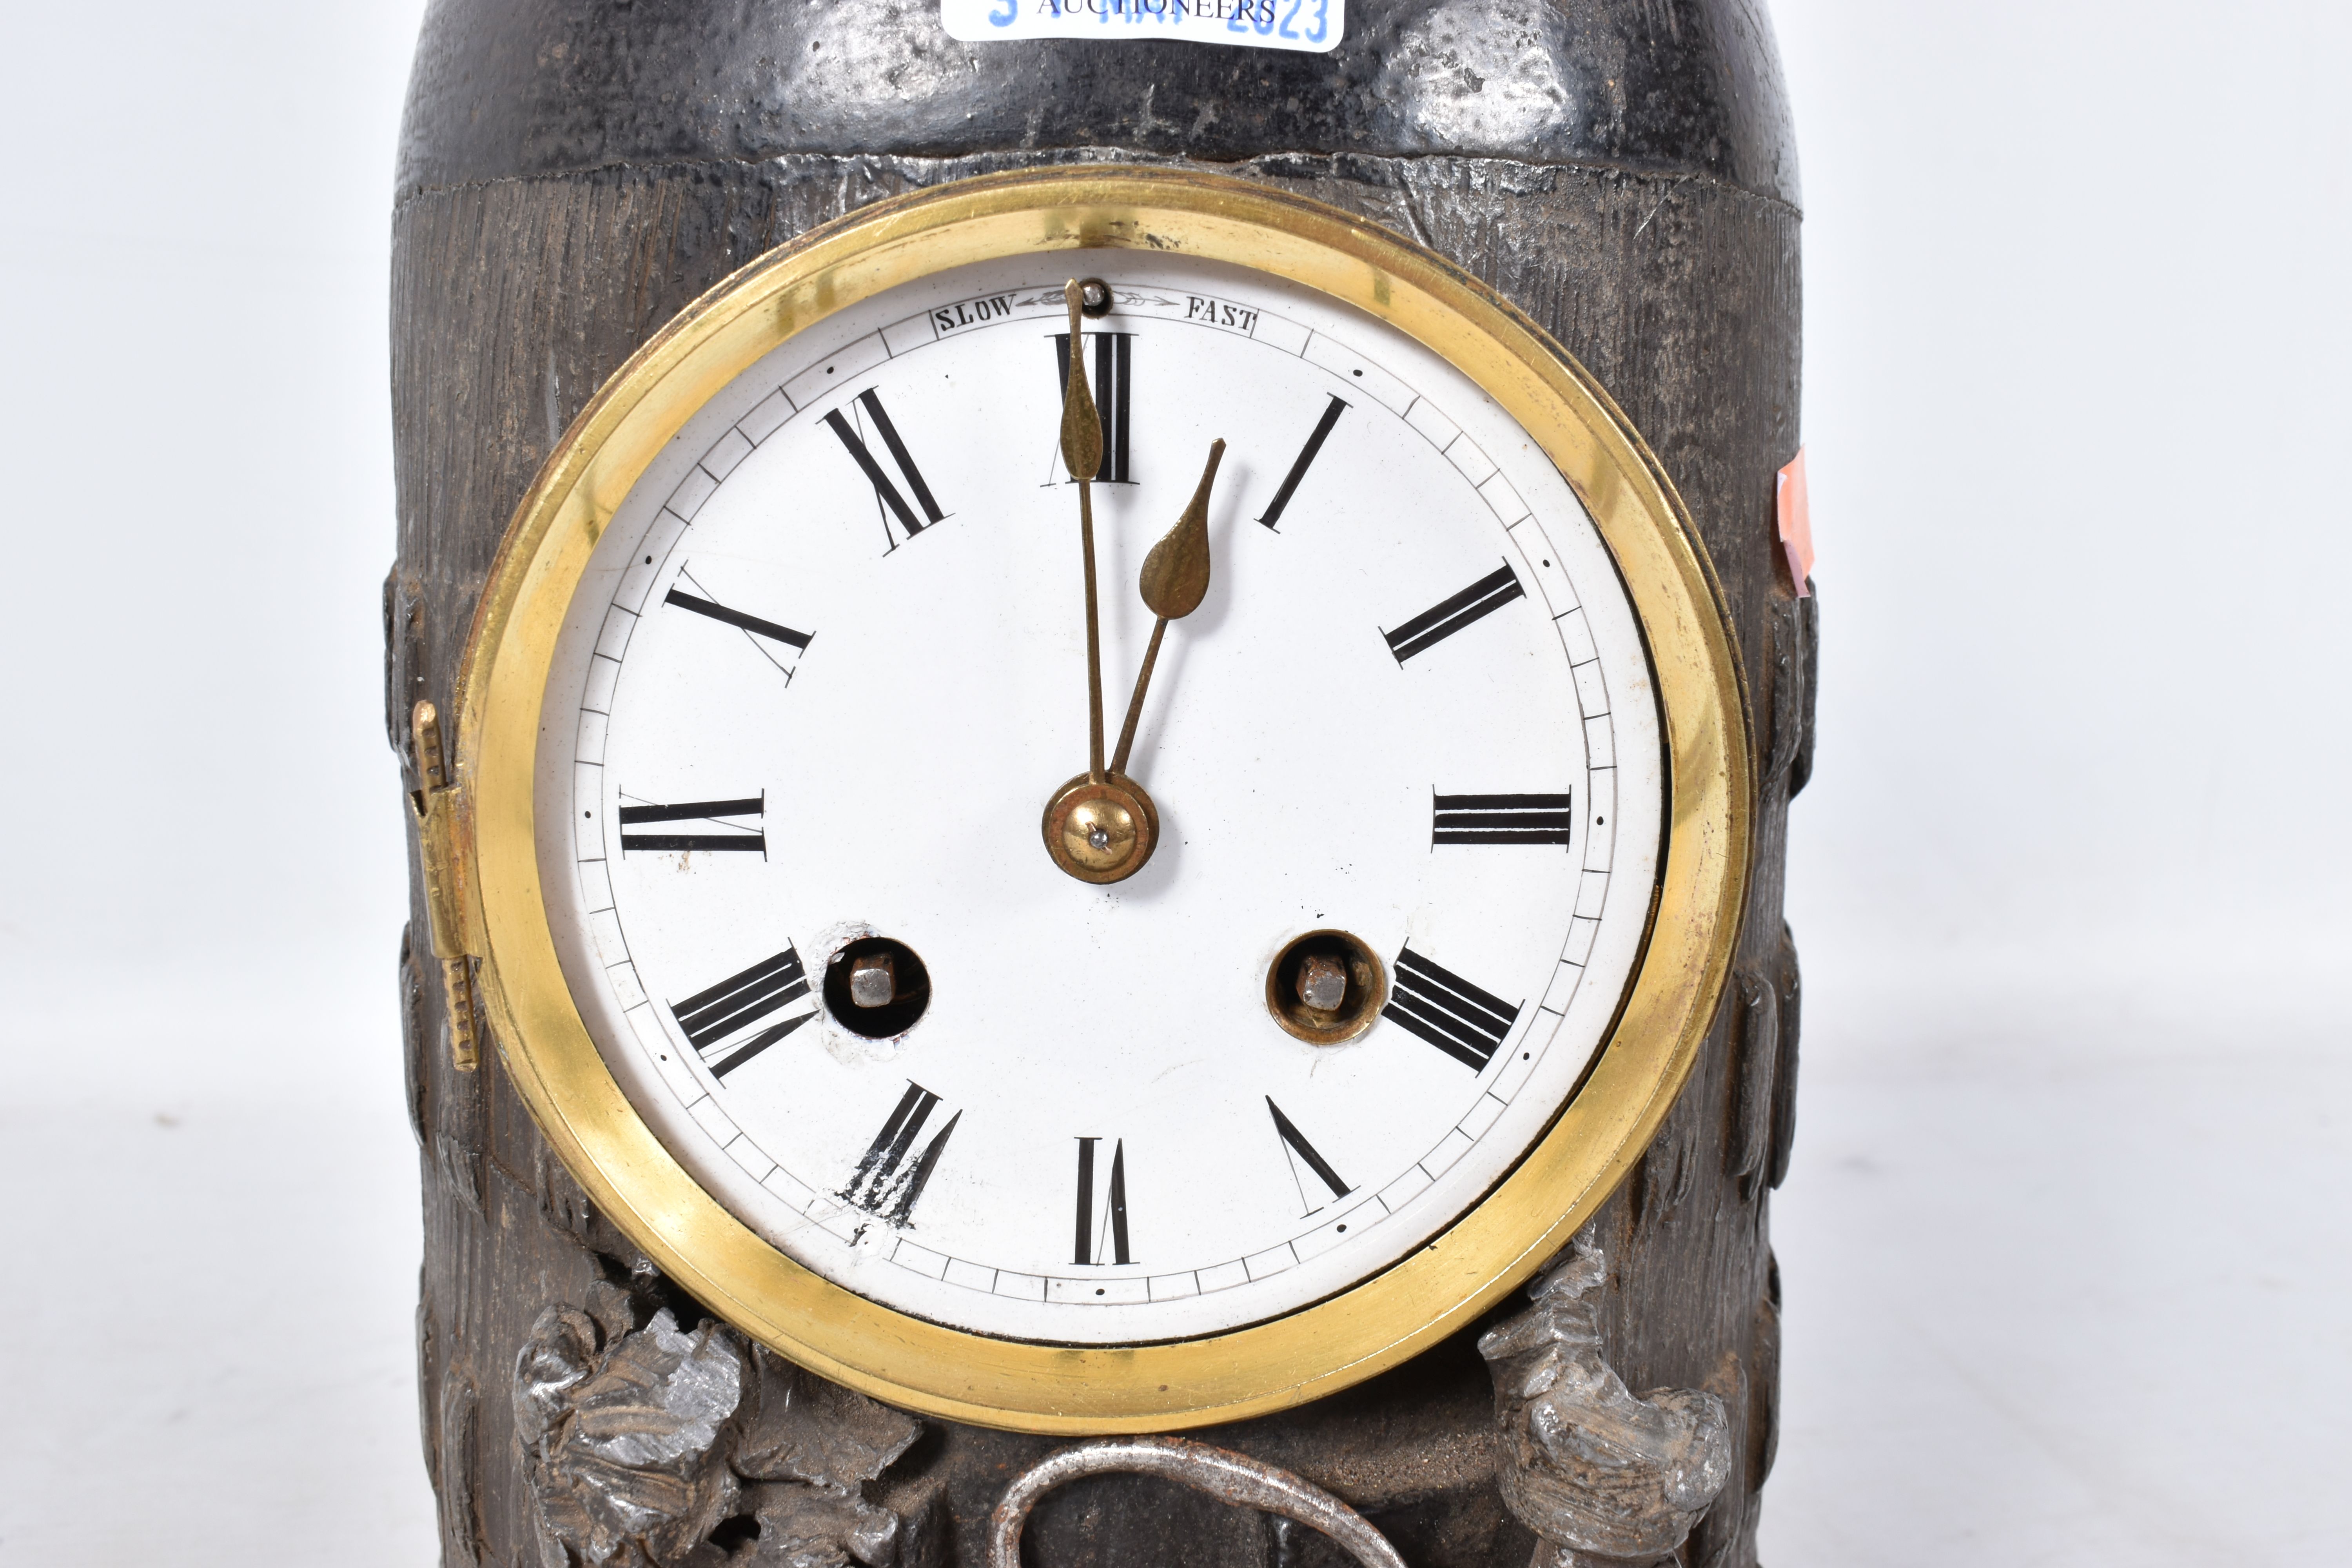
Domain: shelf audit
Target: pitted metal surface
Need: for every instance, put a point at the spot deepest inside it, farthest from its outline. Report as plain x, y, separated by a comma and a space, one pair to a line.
655, 1447
504, 88
1228, 1477
1602, 1476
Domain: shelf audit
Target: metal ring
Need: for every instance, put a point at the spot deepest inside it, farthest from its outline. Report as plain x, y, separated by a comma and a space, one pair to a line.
1225, 1476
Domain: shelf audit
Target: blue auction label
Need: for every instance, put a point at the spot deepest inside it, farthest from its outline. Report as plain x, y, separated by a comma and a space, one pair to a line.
1312, 26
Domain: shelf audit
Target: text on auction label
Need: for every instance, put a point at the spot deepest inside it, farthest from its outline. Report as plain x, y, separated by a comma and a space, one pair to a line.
1311, 24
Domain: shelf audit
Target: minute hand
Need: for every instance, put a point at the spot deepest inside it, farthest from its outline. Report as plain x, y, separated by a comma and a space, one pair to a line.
1174, 581
1082, 447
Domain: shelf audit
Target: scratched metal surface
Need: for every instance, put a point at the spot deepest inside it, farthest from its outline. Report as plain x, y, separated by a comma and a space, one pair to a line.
574, 175
540, 86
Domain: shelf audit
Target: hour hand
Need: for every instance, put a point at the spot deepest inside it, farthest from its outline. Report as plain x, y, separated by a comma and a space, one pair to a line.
1174, 581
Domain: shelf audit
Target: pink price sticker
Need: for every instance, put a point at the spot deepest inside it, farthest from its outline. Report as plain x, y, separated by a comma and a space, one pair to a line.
1311, 26
1797, 523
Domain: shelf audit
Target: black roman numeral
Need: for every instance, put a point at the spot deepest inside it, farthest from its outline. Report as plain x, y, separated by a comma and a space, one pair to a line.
756, 632
1110, 1224
1298, 1152
1114, 363
1306, 459
1445, 618
1445, 1010
890, 1176
735, 834
714, 1020
1502, 819
886, 489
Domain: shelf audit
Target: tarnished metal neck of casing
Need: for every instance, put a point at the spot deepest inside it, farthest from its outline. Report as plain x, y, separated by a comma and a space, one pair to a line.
1687, 86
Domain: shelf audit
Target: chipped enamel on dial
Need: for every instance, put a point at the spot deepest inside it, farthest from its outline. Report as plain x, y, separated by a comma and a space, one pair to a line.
840, 623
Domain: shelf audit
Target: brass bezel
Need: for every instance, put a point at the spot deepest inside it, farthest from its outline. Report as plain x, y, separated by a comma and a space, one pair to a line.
1317, 1350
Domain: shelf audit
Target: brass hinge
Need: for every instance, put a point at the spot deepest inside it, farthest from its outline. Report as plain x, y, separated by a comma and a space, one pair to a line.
440, 824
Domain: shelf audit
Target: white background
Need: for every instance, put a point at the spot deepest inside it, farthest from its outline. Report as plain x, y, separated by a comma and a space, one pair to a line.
2065, 1241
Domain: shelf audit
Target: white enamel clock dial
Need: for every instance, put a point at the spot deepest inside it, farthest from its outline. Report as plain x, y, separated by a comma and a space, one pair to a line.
828, 666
